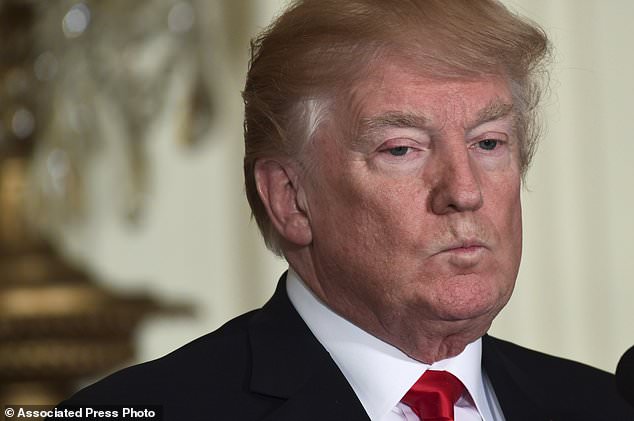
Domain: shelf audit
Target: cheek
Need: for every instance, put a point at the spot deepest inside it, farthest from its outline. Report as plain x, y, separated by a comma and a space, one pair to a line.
502, 196
517, 232
514, 211
365, 219
507, 217
391, 211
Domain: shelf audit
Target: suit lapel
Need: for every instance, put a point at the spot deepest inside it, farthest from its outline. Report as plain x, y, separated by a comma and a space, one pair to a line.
518, 399
321, 399
290, 364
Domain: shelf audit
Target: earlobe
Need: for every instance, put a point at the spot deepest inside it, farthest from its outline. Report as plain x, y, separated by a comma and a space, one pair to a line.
283, 199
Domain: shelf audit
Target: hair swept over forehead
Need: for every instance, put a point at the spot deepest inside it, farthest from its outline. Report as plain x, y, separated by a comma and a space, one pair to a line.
318, 49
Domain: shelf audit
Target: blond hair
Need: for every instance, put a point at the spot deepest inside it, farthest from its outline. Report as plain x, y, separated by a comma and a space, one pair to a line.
318, 48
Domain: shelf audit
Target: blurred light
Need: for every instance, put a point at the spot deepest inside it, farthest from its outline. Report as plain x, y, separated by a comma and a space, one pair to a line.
45, 66
181, 17
22, 123
78, 116
76, 20
57, 163
58, 167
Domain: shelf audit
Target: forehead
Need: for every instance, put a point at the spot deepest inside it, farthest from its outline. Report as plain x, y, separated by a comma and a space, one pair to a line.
398, 89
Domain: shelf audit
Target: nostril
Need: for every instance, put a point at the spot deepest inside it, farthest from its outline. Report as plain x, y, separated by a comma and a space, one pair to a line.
456, 195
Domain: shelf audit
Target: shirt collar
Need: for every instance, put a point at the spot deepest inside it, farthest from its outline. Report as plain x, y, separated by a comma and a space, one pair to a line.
379, 373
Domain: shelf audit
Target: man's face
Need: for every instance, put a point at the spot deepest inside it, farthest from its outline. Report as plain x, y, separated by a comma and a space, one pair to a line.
417, 215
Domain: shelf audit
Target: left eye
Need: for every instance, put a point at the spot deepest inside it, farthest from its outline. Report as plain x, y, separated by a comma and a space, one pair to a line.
488, 144
399, 150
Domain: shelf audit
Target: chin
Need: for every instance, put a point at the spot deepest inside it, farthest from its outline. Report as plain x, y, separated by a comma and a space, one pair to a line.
471, 300
479, 314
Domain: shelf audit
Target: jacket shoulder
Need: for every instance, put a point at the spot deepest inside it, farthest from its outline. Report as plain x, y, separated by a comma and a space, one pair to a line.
540, 364
565, 387
209, 373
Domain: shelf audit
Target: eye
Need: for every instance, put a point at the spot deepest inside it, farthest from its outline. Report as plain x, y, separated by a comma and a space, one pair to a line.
488, 144
399, 150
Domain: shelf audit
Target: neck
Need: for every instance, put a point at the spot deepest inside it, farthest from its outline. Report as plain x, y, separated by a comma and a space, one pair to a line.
410, 330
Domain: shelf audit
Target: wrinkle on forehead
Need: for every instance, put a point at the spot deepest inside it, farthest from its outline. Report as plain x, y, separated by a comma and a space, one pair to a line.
355, 122
370, 127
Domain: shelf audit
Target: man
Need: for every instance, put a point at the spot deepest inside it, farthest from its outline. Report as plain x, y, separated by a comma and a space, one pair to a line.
386, 141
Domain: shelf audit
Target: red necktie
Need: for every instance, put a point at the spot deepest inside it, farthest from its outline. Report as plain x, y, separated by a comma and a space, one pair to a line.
433, 396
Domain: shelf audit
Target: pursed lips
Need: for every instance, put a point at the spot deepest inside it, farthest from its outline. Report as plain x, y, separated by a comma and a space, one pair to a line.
464, 247
464, 255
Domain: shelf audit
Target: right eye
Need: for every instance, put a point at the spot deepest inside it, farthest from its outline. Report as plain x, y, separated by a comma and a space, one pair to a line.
399, 150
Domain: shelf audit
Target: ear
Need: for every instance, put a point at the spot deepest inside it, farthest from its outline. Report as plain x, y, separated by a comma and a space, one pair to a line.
283, 199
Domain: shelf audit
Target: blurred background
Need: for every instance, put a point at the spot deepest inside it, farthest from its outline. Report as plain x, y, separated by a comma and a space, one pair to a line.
124, 231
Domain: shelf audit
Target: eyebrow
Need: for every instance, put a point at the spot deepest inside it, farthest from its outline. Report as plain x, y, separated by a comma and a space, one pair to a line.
493, 111
395, 119
370, 126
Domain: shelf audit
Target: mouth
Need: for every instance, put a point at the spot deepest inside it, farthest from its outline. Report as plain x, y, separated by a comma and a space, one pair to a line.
464, 255
468, 247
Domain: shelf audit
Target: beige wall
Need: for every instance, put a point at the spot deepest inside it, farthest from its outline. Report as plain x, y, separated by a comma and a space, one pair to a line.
575, 290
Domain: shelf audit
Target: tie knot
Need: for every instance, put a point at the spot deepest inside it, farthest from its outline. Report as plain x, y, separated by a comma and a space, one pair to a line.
433, 396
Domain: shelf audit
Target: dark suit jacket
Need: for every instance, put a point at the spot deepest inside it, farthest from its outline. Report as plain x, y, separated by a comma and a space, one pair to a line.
267, 365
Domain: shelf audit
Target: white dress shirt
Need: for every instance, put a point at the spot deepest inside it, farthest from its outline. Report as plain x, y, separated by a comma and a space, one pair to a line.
381, 374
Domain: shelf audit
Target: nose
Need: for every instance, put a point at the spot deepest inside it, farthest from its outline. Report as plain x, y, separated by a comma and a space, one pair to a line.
456, 186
